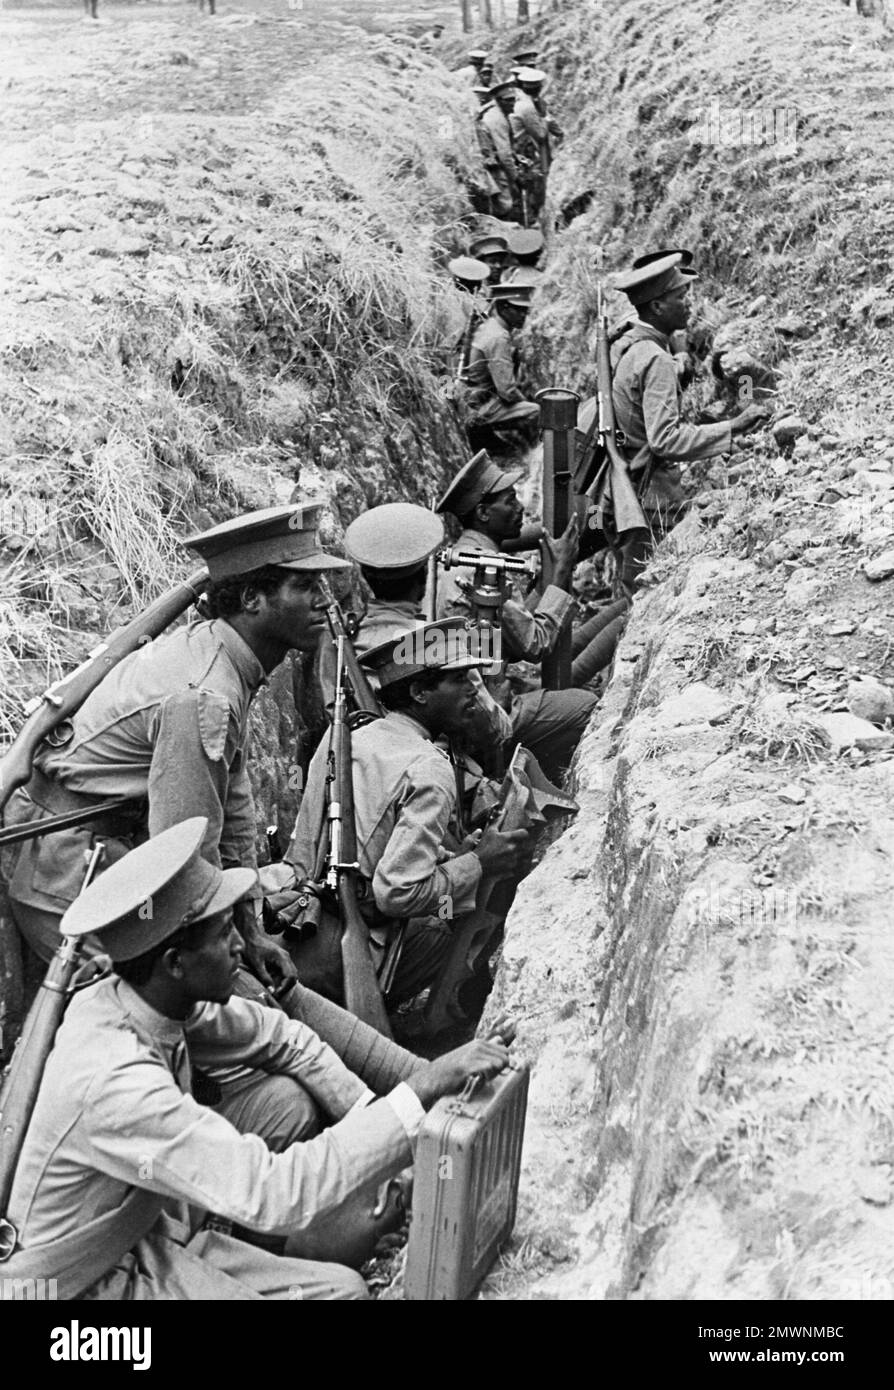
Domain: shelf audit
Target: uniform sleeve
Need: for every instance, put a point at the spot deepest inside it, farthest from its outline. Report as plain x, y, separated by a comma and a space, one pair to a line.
501, 140
667, 435
414, 876
195, 741
529, 636
145, 1132
244, 1032
498, 352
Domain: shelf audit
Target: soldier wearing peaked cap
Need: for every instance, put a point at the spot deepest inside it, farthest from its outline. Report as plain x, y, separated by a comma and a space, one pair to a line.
495, 140
167, 727
491, 250
405, 801
522, 277
525, 245
477, 68
548, 722
491, 397
533, 134
392, 545
646, 388
118, 1145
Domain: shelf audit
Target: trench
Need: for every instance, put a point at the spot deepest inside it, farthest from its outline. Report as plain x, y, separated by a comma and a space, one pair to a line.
699, 964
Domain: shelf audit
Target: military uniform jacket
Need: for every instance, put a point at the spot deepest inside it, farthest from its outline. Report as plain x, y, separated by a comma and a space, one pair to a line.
495, 138
116, 1135
646, 395
404, 802
530, 625
530, 132
168, 724
491, 369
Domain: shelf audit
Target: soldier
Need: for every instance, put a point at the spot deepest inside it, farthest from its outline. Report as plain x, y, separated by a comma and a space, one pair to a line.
523, 277
492, 397
646, 391
405, 800
532, 131
478, 69
167, 727
548, 722
118, 1146
469, 273
495, 138
525, 246
491, 250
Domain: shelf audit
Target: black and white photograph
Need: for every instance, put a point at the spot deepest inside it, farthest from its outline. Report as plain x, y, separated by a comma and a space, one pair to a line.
447, 668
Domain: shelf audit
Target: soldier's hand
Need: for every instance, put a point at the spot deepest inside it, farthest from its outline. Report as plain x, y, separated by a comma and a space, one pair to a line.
564, 553
502, 852
448, 1074
747, 419
503, 1029
270, 962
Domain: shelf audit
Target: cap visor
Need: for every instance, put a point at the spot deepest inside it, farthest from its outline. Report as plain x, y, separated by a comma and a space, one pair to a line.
234, 884
467, 663
315, 562
508, 480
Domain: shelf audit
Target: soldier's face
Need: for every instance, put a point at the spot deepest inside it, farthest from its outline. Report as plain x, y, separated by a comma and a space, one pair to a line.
208, 969
295, 613
451, 703
673, 309
504, 515
506, 101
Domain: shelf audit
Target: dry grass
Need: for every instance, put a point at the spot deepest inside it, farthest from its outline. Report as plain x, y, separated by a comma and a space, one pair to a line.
285, 319
771, 726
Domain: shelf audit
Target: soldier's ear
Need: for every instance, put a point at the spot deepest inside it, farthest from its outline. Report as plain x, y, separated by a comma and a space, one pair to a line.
418, 692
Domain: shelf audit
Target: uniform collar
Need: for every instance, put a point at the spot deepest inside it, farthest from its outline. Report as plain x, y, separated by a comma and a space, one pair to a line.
408, 723
477, 540
240, 653
166, 1031
644, 332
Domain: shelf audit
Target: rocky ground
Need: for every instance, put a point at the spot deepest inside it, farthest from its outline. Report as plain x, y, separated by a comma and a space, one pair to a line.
707, 996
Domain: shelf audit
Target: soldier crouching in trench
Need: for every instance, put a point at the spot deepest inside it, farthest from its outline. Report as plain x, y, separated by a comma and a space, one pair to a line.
121, 1165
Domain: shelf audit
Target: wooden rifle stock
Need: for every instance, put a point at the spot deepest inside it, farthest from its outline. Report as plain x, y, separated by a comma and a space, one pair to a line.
66, 696
558, 420
613, 481
18, 1094
363, 996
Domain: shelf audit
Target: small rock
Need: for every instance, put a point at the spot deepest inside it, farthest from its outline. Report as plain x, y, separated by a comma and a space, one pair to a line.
747, 627
793, 793
868, 698
874, 1185
790, 428
793, 327
881, 567
867, 480
833, 663
842, 627
828, 442
796, 539
847, 731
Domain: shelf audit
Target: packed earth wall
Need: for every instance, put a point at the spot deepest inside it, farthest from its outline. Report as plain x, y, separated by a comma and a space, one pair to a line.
703, 964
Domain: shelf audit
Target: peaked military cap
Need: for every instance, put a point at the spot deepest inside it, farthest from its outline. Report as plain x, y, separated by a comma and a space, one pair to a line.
646, 282
507, 85
525, 241
481, 92
468, 268
158, 887
476, 479
519, 296
525, 56
530, 77
282, 536
651, 256
396, 536
522, 277
492, 244
453, 644
478, 55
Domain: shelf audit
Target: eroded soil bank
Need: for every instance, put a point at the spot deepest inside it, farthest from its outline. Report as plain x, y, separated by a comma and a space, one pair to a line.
703, 964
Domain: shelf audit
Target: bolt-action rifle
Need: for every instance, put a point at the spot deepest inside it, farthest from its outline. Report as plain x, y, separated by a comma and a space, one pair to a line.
363, 995
527, 799
611, 488
65, 697
18, 1093
558, 422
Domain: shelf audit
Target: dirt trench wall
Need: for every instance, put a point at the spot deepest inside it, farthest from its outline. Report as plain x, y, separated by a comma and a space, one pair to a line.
702, 965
